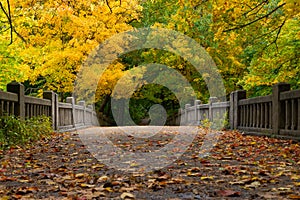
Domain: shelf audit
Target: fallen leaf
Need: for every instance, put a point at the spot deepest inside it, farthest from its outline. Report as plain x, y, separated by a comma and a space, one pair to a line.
79, 175
207, 178
103, 179
84, 185
254, 184
126, 195
229, 193
292, 196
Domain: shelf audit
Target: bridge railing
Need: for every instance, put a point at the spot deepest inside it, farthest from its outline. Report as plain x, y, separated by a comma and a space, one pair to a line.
277, 114
199, 113
65, 116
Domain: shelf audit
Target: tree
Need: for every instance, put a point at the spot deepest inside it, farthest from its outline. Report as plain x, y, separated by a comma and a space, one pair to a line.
60, 35
252, 34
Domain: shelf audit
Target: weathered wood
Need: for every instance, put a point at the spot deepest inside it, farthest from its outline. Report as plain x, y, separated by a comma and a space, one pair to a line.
211, 108
37, 101
237, 96
277, 107
196, 113
8, 96
18, 89
54, 107
298, 115
286, 94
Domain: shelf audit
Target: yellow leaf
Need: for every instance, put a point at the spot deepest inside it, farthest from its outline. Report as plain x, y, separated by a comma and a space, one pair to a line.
295, 177
108, 189
297, 183
80, 175
84, 185
207, 178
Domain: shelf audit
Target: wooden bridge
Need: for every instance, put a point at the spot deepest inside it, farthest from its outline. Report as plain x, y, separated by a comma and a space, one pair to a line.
276, 115
65, 116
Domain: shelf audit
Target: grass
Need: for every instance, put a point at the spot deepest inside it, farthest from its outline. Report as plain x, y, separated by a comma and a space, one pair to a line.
14, 131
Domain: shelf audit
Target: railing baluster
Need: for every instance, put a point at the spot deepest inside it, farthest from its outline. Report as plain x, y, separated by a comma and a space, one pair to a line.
270, 115
12, 108
2, 107
267, 115
258, 115
31, 110
245, 116
298, 115
251, 115
287, 114
7, 107
293, 115
254, 115
248, 116
262, 105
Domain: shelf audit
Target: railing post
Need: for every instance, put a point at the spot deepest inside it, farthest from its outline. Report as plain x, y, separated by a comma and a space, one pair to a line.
82, 103
90, 116
210, 108
197, 117
277, 110
181, 119
234, 113
18, 89
95, 117
186, 114
53, 97
71, 100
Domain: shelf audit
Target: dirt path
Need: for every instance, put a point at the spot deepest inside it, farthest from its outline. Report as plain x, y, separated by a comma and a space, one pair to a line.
239, 167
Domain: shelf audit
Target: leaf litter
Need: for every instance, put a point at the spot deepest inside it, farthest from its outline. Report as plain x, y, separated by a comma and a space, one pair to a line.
239, 166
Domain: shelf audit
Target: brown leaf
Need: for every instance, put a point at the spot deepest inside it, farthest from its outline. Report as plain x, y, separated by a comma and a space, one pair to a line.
26, 190
164, 177
6, 178
229, 193
293, 196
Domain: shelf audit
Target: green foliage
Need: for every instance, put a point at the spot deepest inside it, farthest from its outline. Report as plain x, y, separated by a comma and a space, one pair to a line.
254, 44
219, 122
14, 131
277, 63
206, 123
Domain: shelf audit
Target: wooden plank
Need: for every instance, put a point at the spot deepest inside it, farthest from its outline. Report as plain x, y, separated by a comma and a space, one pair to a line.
221, 104
294, 133
8, 96
37, 101
254, 129
294, 94
255, 100
64, 105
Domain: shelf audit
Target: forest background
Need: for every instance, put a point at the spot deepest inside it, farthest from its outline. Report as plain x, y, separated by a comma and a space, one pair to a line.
44, 43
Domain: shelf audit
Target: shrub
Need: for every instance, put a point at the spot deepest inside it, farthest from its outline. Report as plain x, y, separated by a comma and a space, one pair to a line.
14, 131
219, 123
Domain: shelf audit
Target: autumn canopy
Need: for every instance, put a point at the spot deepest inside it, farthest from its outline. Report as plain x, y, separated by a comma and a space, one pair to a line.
44, 43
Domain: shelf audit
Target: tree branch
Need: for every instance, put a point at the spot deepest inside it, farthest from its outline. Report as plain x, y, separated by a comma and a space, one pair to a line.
258, 5
19, 35
266, 34
256, 20
10, 22
9, 18
108, 6
2, 31
277, 36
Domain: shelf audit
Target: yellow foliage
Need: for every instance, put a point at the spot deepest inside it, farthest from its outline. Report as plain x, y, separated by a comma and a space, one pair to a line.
61, 34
